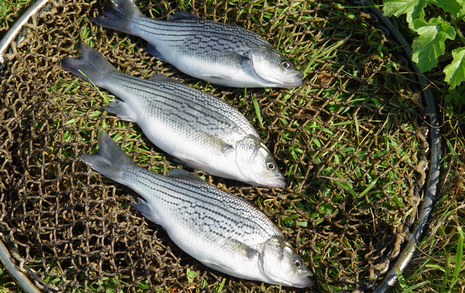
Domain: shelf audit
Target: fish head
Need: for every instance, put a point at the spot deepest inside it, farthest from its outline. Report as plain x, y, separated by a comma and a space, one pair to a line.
282, 265
271, 66
257, 165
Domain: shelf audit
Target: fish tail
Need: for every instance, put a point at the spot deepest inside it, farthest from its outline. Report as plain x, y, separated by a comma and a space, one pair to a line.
119, 16
110, 160
91, 66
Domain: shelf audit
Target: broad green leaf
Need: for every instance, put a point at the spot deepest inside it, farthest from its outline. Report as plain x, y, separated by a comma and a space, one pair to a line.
462, 10
454, 7
398, 7
455, 72
430, 44
417, 13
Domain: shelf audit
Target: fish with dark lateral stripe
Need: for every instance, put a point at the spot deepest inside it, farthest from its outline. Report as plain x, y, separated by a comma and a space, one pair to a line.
219, 53
199, 129
219, 229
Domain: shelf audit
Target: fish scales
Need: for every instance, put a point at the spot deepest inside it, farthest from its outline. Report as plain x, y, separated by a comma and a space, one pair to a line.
199, 129
221, 230
168, 101
194, 206
196, 33
219, 53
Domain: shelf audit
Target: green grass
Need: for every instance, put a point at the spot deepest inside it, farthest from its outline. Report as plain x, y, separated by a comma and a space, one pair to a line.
6, 7
438, 262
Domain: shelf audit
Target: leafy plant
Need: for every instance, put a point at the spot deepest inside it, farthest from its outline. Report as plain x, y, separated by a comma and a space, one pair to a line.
190, 275
433, 33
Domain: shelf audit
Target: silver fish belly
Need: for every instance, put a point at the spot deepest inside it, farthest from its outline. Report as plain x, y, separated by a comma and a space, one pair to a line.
221, 230
197, 128
219, 53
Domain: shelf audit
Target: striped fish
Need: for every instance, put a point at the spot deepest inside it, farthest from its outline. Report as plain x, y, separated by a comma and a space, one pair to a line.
219, 229
221, 54
199, 129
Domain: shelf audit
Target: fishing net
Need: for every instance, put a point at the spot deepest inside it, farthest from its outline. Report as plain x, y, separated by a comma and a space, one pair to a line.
352, 143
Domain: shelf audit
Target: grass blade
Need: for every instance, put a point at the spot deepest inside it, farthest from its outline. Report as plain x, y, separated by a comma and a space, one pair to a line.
458, 258
446, 273
257, 110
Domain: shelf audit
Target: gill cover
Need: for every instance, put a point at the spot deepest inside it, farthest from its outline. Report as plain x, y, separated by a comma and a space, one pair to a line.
282, 265
256, 163
271, 66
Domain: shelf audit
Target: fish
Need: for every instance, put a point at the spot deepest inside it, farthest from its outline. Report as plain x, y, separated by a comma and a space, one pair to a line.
221, 230
197, 128
222, 54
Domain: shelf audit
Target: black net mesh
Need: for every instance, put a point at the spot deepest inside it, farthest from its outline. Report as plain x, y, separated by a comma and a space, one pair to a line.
351, 143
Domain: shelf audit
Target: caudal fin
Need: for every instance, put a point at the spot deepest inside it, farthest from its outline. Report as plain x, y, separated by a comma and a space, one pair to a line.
110, 160
92, 65
119, 15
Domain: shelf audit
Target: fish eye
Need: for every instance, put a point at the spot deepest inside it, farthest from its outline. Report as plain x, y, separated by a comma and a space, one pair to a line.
297, 261
270, 165
286, 64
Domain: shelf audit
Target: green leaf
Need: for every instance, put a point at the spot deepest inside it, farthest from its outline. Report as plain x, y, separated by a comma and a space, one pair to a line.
417, 13
396, 7
458, 258
220, 288
190, 275
413, 9
257, 110
430, 44
455, 72
454, 7
401, 279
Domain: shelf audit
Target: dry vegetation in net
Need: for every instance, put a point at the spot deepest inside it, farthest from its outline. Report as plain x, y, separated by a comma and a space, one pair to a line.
351, 143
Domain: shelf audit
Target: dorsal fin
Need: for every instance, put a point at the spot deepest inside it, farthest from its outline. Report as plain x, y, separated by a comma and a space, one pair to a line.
159, 77
183, 174
181, 14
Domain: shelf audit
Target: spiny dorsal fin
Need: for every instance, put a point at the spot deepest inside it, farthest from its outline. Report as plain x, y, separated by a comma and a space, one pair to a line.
159, 77
183, 174
181, 14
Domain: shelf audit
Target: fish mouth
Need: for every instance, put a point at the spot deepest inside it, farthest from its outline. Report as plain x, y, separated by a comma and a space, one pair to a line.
304, 283
276, 182
290, 79
295, 81
293, 84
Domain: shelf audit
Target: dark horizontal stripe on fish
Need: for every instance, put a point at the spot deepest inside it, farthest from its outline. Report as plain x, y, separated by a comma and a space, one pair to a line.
201, 200
206, 104
174, 28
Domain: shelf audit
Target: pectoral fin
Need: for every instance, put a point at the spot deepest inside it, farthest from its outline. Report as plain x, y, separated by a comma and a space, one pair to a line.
226, 148
220, 267
223, 148
217, 77
239, 249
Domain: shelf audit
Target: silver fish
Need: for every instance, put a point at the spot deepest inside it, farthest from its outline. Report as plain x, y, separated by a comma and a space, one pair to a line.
222, 54
199, 129
219, 229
